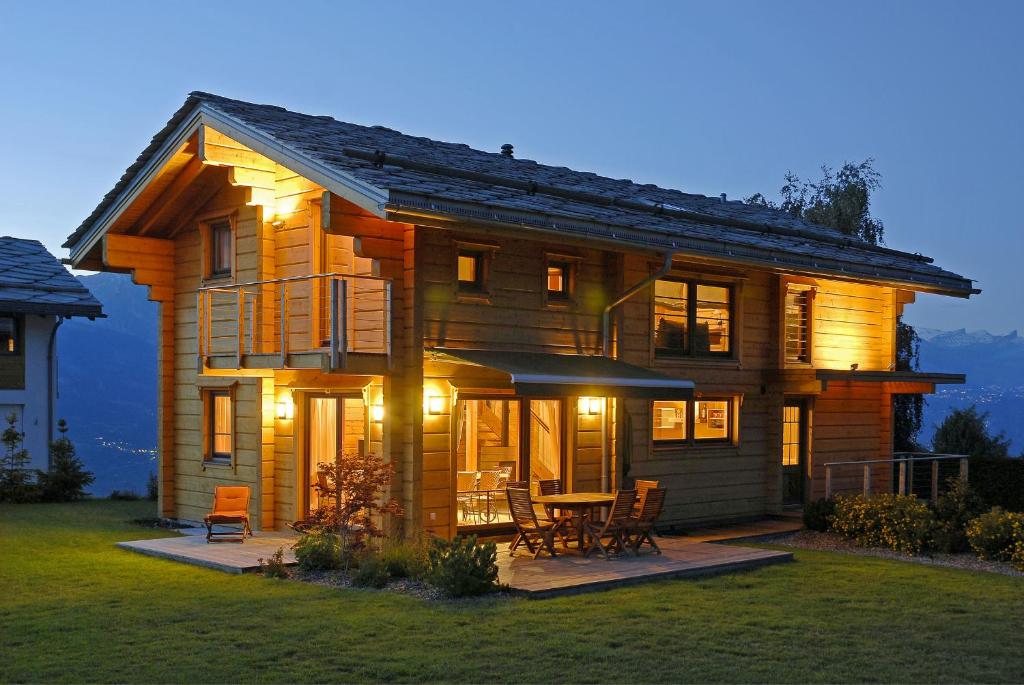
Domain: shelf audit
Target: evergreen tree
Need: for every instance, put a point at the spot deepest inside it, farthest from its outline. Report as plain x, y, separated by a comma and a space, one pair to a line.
965, 431
67, 479
16, 481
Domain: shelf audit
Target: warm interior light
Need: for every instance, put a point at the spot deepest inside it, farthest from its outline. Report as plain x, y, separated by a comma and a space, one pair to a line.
377, 412
590, 405
435, 404
285, 408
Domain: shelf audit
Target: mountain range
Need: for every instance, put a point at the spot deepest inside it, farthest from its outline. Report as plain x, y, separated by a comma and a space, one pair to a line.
107, 382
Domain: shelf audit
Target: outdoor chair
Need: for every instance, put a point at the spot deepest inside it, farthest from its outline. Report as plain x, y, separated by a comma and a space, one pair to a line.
466, 494
641, 527
614, 527
641, 487
230, 506
535, 534
553, 486
487, 486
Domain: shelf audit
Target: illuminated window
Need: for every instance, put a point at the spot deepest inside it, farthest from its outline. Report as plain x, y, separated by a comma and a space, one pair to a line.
220, 248
712, 420
221, 428
9, 335
798, 326
692, 318
791, 426
669, 421
471, 271
559, 280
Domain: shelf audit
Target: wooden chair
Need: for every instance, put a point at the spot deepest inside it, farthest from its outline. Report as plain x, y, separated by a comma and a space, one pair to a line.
641, 487
641, 527
536, 535
615, 526
553, 486
465, 494
230, 506
487, 486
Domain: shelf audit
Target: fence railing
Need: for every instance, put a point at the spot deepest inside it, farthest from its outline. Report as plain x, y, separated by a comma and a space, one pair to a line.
332, 313
920, 473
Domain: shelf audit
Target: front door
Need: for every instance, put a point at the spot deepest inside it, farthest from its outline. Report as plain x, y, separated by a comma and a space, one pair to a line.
335, 427
794, 452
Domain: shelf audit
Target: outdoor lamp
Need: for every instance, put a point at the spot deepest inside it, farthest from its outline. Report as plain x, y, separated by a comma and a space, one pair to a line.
435, 404
590, 405
377, 412
285, 408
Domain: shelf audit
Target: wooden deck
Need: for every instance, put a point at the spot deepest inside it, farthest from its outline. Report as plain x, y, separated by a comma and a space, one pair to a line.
696, 554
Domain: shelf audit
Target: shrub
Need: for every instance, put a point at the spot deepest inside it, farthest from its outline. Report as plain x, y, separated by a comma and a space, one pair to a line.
899, 522
371, 572
152, 487
953, 510
124, 495
67, 478
404, 558
461, 567
999, 481
274, 567
818, 514
994, 534
1018, 553
320, 550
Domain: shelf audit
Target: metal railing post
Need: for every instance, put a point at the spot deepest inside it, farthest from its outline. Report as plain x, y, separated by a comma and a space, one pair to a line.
332, 318
828, 481
903, 479
935, 479
239, 327
867, 480
343, 323
284, 325
963, 468
910, 477
201, 330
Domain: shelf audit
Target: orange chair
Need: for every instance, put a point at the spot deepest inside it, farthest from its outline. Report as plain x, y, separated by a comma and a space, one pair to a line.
230, 505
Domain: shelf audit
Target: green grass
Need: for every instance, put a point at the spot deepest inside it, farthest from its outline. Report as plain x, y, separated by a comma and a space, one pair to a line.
75, 608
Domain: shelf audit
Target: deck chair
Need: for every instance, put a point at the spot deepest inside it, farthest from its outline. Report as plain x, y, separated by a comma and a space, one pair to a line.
615, 527
641, 527
553, 486
641, 487
535, 534
230, 506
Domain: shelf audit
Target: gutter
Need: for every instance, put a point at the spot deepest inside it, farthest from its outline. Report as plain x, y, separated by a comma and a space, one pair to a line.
51, 384
606, 318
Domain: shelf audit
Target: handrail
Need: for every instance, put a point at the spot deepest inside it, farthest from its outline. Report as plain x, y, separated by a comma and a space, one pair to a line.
937, 457
906, 470
231, 287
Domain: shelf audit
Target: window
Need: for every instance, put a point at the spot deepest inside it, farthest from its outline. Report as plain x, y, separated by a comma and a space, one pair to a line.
559, 277
692, 319
669, 421
798, 325
706, 420
9, 335
220, 248
471, 277
221, 425
712, 420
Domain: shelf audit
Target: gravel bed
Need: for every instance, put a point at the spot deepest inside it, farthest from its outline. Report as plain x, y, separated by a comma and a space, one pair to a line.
402, 586
826, 542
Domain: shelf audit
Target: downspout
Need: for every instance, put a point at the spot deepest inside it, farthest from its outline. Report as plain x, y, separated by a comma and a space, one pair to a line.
51, 383
606, 333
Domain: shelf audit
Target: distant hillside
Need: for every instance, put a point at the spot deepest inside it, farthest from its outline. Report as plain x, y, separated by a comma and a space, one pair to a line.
994, 365
107, 384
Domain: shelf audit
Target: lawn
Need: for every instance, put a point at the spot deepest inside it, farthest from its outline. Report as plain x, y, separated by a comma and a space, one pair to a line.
75, 608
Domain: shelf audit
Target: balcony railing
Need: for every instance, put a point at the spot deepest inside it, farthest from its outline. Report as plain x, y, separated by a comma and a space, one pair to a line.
270, 323
908, 473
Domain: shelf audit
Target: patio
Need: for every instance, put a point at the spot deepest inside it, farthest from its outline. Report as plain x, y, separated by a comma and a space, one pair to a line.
696, 554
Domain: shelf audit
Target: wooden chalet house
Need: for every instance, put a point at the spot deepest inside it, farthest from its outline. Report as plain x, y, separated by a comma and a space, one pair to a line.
329, 287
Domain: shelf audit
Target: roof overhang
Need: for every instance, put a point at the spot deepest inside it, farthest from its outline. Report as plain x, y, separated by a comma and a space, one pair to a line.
52, 309
176, 134
900, 382
564, 375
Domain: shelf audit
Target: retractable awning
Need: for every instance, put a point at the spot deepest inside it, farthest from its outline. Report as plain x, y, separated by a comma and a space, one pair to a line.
539, 373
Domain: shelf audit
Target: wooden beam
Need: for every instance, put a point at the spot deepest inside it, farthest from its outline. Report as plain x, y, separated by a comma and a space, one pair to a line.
254, 178
149, 260
340, 217
217, 149
165, 204
208, 185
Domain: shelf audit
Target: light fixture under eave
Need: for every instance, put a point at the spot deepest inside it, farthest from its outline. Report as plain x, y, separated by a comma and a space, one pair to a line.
377, 413
590, 405
285, 409
435, 405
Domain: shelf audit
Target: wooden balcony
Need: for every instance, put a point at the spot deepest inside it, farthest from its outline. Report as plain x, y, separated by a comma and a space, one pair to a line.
331, 322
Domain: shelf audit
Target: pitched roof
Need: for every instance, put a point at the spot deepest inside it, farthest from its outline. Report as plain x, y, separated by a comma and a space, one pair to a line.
411, 175
33, 281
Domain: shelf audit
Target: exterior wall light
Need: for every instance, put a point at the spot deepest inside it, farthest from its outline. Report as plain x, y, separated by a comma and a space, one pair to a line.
377, 413
435, 405
285, 409
590, 405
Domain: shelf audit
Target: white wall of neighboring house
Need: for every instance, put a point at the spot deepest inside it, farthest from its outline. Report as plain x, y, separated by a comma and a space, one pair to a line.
33, 403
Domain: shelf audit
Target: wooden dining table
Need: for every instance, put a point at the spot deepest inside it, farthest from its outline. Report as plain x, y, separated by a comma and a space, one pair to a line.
579, 503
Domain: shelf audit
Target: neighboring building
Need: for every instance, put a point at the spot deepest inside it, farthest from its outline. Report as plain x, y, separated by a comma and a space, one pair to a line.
325, 286
36, 294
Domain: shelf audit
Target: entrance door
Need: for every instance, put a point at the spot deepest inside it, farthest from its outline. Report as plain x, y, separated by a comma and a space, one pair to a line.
794, 452
335, 427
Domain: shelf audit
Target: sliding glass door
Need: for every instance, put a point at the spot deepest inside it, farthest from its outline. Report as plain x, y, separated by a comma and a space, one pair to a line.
336, 426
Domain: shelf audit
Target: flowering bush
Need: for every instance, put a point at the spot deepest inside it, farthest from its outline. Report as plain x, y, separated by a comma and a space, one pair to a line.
899, 522
995, 534
462, 568
953, 510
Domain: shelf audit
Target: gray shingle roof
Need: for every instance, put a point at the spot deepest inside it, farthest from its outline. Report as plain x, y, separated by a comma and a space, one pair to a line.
33, 281
420, 174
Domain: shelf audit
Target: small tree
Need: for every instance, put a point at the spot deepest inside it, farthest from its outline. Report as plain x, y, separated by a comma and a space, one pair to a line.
354, 491
67, 478
16, 482
965, 432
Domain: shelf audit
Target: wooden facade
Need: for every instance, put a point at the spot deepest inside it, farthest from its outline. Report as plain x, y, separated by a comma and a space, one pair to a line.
267, 347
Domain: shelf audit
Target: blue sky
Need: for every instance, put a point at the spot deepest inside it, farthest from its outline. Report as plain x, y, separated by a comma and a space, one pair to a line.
706, 97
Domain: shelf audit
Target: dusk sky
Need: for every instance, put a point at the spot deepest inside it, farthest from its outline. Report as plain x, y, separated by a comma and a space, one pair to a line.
706, 97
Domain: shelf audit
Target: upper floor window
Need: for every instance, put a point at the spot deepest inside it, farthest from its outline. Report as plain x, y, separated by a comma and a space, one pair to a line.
220, 434
9, 343
692, 318
559, 281
221, 248
798, 325
471, 270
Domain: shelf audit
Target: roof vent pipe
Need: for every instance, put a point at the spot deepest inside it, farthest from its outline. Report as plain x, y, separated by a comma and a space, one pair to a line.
606, 317
506, 150
723, 196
